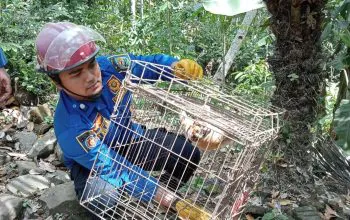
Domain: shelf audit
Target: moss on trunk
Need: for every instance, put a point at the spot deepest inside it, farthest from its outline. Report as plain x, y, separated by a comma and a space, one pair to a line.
296, 65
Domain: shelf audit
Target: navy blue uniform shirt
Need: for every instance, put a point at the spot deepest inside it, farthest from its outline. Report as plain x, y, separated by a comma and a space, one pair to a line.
3, 60
84, 127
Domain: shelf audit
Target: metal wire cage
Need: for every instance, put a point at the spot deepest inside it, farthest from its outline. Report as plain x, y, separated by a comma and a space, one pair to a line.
225, 129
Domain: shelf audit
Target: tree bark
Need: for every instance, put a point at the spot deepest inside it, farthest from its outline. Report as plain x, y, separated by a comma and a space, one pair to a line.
234, 48
133, 14
141, 9
296, 66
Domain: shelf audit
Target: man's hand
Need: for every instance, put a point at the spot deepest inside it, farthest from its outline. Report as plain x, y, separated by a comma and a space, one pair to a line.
188, 69
164, 197
5, 86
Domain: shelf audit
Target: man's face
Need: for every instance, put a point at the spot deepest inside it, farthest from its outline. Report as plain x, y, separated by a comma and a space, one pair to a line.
84, 80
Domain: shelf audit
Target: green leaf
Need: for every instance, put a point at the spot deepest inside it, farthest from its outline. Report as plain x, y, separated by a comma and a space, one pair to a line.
231, 7
342, 124
345, 37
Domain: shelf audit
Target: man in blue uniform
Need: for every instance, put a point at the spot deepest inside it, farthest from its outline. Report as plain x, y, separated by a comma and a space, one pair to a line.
5, 83
88, 87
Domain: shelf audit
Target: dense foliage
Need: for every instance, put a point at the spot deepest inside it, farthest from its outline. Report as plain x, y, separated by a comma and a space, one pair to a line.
180, 28
177, 28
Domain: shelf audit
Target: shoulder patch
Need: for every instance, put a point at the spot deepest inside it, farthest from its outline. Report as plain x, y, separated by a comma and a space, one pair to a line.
87, 140
114, 84
100, 126
120, 62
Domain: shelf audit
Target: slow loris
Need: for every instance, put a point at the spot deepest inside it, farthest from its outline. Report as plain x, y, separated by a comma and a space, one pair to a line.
206, 136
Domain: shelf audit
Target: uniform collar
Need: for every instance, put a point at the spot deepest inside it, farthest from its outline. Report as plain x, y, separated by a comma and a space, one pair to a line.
83, 107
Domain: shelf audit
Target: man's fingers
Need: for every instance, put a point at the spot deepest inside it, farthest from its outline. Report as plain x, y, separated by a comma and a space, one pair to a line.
5, 90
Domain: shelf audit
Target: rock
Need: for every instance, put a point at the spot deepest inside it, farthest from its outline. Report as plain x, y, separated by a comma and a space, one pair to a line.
62, 199
24, 97
4, 158
28, 185
26, 139
46, 166
2, 134
3, 172
30, 126
37, 171
17, 146
8, 138
59, 153
256, 210
44, 146
39, 113
346, 211
58, 177
10, 207
25, 166
306, 213
42, 128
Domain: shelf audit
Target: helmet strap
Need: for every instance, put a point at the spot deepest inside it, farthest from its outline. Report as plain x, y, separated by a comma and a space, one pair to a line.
87, 98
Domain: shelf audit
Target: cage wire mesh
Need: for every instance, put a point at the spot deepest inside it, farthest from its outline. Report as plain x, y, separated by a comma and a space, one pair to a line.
165, 111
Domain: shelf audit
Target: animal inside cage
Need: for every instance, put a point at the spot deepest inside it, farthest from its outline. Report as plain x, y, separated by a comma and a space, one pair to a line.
186, 138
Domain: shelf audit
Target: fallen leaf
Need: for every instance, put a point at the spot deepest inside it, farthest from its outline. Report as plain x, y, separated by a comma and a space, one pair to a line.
249, 217
30, 126
7, 127
284, 195
18, 155
329, 213
8, 138
283, 165
6, 148
285, 202
46, 166
37, 171
275, 194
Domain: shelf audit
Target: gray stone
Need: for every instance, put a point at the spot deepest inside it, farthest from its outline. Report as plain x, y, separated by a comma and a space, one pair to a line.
24, 167
42, 128
58, 177
256, 210
59, 153
10, 206
346, 211
306, 213
9, 138
39, 113
44, 146
28, 185
62, 199
26, 139
2, 158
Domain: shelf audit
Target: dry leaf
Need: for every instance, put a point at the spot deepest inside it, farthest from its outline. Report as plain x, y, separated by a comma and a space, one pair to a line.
249, 217
275, 194
30, 126
283, 165
329, 213
18, 155
284, 195
285, 202
47, 166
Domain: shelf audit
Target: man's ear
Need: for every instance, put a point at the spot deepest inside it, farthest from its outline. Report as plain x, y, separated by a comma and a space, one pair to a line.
57, 84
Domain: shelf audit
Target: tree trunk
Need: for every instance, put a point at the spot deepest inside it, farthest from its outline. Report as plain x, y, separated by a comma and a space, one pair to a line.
141, 9
133, 14
235, 46
296, 65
